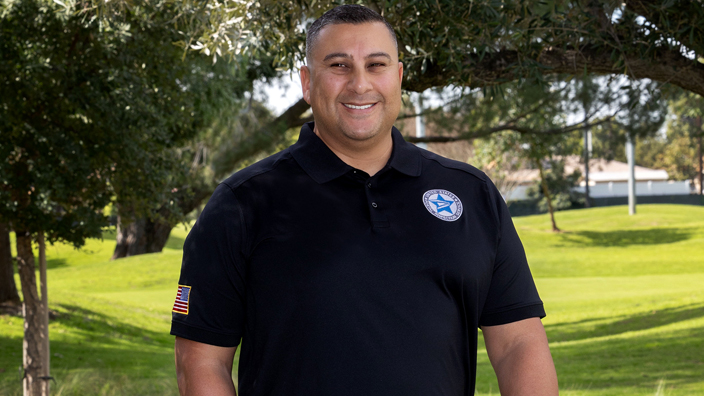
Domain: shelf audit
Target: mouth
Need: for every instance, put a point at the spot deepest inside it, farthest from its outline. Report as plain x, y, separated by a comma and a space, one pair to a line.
358, 107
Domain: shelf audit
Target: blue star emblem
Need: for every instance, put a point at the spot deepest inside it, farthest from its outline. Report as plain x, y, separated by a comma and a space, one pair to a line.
441, 204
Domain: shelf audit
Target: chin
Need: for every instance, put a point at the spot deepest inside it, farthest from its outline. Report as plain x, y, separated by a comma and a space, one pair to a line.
360, 132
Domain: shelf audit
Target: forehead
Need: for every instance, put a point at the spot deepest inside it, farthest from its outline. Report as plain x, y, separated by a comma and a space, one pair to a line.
348, 38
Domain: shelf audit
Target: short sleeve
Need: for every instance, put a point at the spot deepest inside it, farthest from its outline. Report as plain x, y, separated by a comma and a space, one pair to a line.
211, 285
512, 293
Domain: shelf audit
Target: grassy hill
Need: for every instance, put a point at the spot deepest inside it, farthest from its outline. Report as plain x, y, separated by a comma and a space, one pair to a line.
624, 296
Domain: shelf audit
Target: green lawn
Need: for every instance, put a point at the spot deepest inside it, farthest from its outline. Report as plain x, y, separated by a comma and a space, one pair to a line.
624, 296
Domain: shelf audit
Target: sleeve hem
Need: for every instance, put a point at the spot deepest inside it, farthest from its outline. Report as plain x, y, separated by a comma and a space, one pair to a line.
205, 336
513, 315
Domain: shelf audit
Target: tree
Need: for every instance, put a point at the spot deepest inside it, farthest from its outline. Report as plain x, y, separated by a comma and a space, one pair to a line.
477, 44
683, 156
89, 113
247, 133
536, 122
184, 187
480, 43
559, 187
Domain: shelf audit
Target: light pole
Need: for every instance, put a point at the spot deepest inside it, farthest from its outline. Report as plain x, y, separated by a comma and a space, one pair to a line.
631, 155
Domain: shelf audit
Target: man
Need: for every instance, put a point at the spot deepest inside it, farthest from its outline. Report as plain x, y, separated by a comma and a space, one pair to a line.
353, 262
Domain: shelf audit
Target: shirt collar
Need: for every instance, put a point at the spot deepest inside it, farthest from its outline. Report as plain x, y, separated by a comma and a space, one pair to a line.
321, 164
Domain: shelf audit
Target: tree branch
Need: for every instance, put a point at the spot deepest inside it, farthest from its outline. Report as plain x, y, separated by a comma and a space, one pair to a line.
263, 138
506, 127
669, 66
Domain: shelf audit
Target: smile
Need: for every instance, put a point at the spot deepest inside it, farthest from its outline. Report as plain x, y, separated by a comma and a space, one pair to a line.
351, 106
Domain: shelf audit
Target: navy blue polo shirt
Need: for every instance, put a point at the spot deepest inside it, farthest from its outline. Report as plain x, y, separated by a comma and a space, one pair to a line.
337, 283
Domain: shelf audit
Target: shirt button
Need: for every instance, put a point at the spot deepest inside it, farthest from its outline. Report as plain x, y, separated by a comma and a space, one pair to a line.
369, 185
374, 205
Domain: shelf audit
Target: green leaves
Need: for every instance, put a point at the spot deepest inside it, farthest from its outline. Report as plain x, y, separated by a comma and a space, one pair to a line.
92, 110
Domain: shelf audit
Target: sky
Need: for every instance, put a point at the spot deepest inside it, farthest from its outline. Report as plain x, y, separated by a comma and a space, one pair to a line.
279, 94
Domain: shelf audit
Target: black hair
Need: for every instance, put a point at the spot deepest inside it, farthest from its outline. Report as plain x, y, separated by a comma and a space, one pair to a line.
348, 13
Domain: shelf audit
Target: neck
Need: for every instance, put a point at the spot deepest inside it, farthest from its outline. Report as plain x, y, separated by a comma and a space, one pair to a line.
369, 155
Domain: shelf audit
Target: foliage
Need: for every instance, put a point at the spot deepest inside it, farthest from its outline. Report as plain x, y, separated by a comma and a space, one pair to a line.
560, 187
531, 123
498, 165
475, 44
675, 152
671, 147
679, 153
623, 297
91, 111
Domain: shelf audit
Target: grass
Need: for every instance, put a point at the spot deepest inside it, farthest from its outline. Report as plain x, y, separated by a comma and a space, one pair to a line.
110, 332
624, 298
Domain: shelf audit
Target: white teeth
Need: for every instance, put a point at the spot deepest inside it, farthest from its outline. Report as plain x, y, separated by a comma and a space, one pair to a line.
357, 107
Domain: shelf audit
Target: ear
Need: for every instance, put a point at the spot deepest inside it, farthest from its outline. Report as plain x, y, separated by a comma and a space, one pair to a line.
400, 72
305, 82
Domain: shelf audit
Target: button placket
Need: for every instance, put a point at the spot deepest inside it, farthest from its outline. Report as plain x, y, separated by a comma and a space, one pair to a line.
377, 215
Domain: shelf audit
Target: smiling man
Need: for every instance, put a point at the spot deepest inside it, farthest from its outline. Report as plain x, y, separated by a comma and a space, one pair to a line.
353, 83
353, 262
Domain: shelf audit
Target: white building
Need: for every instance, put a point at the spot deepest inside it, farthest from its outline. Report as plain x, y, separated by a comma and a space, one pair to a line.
606, 179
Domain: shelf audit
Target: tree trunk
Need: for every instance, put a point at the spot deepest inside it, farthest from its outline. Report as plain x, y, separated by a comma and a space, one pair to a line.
8, 289
46, 355
700, 157
143, 236
586, 168
546, 193
130, 238
34, 332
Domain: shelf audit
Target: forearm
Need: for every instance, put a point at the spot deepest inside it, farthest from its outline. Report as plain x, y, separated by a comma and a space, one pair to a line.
527, 371
204, 370
520, 355
205, 380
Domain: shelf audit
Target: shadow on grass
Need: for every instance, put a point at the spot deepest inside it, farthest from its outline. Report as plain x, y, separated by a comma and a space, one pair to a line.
87, 368
56, 263
600, 327
639, 361
175, 243
51, 263
105, 329
623, 238
109, 234
88, 340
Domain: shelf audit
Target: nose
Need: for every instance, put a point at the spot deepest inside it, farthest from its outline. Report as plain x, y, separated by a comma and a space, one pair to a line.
359, 82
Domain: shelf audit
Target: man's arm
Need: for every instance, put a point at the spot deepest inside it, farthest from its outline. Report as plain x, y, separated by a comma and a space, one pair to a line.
204, 370
521, 358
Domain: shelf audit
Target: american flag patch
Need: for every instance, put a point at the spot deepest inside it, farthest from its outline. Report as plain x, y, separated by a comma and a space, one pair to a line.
181, 304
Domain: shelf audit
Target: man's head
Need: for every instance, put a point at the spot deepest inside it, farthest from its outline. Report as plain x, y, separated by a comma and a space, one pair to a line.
353, 77
351, 13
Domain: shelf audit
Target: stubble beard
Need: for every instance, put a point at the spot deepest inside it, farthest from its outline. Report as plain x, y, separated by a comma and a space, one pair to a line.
360, 135
379, 126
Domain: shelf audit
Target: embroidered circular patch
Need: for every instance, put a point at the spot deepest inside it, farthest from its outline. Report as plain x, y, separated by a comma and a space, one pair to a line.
443, 204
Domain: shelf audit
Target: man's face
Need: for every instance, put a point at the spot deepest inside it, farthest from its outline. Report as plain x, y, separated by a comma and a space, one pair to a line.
353, 82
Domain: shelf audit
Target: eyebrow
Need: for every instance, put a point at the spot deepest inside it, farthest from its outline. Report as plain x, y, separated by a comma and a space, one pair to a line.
337, 55
379, 55
348, 56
